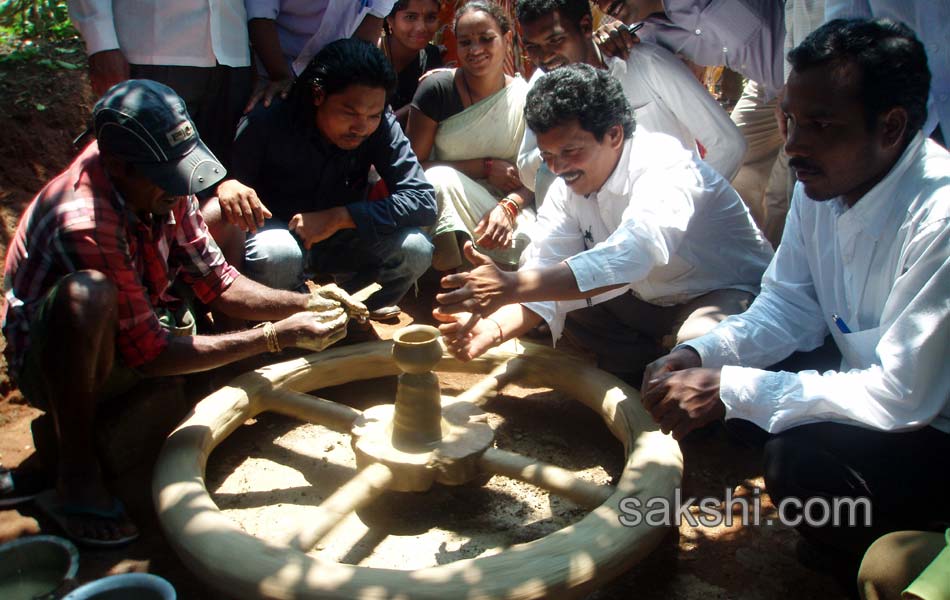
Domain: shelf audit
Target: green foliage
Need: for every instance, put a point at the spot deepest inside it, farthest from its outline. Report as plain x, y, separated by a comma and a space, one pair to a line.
24, 20
30, 29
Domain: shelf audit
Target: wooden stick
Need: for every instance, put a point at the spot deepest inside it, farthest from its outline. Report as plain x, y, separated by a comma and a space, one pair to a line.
351, 496
313, 409
498, 378
554, 479
364, 294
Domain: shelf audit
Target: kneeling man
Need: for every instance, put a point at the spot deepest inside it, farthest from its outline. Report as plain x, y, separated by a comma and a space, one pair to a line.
864, 257
89, 306
309, 161
639, 244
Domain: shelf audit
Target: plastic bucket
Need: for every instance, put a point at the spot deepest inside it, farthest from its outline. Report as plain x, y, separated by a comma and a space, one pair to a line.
35, 566
140, 586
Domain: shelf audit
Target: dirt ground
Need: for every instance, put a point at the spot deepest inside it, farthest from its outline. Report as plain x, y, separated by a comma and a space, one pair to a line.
273, 470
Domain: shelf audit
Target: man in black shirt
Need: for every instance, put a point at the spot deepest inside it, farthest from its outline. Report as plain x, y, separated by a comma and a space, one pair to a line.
307, 163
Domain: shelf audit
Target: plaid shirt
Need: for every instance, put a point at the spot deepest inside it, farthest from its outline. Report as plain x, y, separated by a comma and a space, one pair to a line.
79, 221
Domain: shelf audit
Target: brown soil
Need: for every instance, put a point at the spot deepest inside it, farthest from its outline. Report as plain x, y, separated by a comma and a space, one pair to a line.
273, 467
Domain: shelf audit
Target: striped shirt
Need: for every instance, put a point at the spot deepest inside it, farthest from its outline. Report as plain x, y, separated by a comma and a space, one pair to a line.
79, 221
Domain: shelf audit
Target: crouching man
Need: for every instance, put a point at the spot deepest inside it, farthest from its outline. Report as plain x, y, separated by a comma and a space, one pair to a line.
866, 257
639, 244
88, 276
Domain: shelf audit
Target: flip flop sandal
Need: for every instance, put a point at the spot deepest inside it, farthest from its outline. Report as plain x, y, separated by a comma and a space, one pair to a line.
61, 514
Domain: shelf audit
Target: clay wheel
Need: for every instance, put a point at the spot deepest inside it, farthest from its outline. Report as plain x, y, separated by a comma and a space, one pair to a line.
567, 563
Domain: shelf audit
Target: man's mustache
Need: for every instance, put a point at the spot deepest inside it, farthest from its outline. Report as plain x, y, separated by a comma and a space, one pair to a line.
800, 163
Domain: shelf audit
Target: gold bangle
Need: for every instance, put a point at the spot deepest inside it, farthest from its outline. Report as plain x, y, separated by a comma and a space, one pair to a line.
501, 334
270, 336
510, 203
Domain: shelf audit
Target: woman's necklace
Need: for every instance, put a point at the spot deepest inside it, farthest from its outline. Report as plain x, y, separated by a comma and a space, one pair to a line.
468, 90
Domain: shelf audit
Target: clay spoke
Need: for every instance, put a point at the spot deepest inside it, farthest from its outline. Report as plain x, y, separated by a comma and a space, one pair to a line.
312, 409
350, 497
554, 479
488, 386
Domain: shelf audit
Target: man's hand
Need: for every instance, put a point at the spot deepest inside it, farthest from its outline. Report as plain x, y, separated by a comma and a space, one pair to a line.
466, 336
481, 291
614, 40
677, 360
107, 68
685, 400
314, 227
240, 206
277, 87
323, 297
504, 175
494, 229
313, 330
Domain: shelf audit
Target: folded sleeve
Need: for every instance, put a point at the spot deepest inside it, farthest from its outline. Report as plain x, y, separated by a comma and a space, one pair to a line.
907, 385
411, 202
94, 20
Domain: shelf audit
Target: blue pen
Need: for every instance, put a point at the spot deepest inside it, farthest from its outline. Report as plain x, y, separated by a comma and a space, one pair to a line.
842, 326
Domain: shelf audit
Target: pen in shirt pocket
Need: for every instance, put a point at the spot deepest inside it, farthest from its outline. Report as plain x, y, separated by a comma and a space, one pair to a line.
842, 326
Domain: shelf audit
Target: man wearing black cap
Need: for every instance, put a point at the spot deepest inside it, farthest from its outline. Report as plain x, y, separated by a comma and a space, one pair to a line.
88, 276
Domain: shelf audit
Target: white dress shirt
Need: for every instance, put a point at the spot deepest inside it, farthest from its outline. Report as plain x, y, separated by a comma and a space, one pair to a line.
882, 266
664, 223
928, 19
191, 33
801, 18
304, 27
745, 35
666, 98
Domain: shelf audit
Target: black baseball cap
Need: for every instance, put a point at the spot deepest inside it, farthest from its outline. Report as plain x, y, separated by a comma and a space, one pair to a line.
146, 123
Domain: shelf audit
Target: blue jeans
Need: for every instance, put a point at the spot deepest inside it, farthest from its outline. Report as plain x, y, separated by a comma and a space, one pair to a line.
274, 256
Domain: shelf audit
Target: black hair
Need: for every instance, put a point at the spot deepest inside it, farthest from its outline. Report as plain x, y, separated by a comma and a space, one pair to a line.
486, 6
579, 92
338, 65
400, 6
891, 60
572, 10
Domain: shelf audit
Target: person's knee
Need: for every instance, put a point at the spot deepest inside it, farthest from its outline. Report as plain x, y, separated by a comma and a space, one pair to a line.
781, 454
417, 252
442, 176
274, 258
85, 297
893, 561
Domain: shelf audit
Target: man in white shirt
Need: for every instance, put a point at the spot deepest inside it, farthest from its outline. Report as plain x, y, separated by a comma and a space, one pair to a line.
665, 96
198, 48
287, 34
866, 257
639, 244
746, 36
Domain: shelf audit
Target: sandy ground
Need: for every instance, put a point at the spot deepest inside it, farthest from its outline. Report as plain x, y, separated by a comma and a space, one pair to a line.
272, 472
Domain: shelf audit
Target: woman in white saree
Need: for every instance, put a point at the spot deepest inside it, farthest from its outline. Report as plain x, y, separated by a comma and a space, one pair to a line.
466, 126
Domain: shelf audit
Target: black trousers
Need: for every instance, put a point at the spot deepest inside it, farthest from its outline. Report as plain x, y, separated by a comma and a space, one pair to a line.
903, 475
215, 97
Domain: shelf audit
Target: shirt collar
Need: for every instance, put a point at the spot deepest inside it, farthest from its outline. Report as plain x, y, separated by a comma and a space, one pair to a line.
621, 179
873, 211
